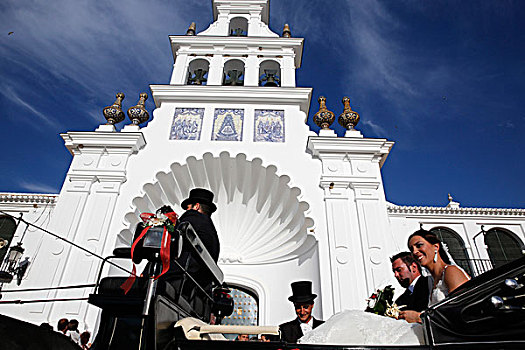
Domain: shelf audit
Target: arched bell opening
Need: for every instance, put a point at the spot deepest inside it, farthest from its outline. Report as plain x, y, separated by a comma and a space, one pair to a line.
270, 74
233, 73
238, 27
198, 72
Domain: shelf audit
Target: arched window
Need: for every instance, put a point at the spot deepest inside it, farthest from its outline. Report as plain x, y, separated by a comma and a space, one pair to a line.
456, 247
233, 73
269, 74
503, 246
245, 307
238, 26
198, 72
7, 231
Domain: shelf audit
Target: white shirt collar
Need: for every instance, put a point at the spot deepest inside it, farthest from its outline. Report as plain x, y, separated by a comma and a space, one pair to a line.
413, 284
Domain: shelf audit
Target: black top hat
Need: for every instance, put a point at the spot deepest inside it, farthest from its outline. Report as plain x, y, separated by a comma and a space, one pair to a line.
302, 292
200, 195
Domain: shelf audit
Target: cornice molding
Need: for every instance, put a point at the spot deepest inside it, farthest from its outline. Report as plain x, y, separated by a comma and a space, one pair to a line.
30, 198
234, 42
117, 140
322, 146
421, 210
233, 94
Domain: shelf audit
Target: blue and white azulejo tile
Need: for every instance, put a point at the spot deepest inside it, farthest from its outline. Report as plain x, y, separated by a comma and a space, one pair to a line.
227, 124
187, 124
268, 126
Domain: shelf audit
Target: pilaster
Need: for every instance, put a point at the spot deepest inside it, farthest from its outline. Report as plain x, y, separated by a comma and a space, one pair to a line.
358, 230
83, 215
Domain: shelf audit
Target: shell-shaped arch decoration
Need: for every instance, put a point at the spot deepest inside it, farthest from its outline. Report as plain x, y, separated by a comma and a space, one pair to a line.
260, 218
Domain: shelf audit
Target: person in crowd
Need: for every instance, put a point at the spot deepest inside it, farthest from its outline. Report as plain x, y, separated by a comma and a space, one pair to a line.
303, 301
62, 325
429, 251
265, 338
72, 331
84, 340
46, 325
243, 337
407, 271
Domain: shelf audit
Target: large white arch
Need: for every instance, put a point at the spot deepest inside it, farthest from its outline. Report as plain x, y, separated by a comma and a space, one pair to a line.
260, 218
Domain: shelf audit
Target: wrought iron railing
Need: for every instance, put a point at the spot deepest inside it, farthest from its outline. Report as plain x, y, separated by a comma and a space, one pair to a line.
475, 267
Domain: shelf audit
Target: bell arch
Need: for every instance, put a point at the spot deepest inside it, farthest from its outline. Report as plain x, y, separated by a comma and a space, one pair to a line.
269, 73
238, 27
234, 72
260, 218
198, 70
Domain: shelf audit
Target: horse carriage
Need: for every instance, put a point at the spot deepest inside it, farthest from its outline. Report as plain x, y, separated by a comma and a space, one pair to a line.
487, 312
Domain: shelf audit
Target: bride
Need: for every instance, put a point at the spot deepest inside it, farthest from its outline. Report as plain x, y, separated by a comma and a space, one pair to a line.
429, 251
355, 327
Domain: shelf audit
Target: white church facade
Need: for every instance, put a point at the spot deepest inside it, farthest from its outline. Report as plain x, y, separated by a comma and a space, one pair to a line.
292, 204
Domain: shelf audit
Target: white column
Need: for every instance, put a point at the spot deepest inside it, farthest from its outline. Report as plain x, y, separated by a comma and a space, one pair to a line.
359, 237
251, 70
216, 70
83, 215
180, 69
288, 72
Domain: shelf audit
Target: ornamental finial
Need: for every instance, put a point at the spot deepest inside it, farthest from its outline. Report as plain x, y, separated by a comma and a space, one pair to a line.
114, 113
191, 29
138, 114
286, 31
323, 118
349, 118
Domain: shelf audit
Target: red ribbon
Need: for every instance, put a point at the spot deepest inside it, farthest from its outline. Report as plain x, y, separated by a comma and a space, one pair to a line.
164, 249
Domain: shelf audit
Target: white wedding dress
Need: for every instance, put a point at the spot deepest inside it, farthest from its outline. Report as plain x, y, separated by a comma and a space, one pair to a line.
356, 327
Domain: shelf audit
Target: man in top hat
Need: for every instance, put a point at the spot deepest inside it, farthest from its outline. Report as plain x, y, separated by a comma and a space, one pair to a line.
407, 271
199, 207
303, 302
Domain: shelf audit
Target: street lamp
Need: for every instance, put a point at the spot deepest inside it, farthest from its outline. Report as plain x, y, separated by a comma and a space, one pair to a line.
11, 262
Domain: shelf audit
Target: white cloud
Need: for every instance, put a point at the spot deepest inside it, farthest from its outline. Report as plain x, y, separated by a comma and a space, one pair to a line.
13, 96
378, 129
37, 187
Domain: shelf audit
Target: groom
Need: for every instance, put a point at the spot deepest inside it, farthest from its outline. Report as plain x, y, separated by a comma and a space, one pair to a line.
303, 301
407, 271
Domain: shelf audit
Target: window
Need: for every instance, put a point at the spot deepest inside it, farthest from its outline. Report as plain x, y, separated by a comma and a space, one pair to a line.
245, 308
503, 246
7, 232
455, 246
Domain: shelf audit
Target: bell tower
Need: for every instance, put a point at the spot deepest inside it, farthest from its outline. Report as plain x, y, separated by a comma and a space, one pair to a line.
237, 49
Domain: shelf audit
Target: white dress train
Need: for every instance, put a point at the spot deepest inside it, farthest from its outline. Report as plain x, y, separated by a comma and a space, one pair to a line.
356, 327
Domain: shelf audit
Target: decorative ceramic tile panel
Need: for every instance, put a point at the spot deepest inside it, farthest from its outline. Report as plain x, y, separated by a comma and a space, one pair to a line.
187, 124
268, 126
227, 125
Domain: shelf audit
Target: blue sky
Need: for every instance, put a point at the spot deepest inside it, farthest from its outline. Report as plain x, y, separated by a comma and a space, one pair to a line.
444, 79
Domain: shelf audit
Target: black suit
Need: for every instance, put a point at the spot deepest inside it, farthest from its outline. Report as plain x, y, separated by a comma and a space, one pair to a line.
291, 331
203, 226
205, 229
419, 298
